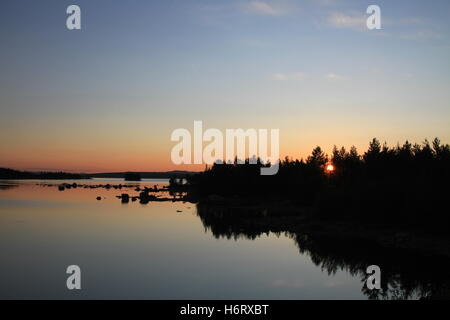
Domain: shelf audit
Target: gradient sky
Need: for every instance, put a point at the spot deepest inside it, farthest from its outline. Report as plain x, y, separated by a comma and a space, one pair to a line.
107, 98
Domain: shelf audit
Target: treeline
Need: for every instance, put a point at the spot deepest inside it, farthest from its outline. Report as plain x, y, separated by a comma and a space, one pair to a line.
10, 174
401, 184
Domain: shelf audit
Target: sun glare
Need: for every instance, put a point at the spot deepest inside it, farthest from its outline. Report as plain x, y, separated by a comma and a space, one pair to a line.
330, 168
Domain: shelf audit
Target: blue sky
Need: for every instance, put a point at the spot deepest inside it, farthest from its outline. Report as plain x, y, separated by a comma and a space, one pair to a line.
139, 69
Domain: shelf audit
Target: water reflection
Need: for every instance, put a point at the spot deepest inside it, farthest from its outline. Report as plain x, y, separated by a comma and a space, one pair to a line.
5, 185
405, 275
159, 251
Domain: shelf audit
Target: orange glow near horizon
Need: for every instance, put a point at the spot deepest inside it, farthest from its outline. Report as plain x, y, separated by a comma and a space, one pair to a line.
131, 150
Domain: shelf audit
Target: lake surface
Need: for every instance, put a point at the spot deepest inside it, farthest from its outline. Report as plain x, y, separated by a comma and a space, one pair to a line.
161, 250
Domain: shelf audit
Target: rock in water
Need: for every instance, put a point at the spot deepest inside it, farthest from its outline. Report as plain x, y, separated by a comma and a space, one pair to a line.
125, 198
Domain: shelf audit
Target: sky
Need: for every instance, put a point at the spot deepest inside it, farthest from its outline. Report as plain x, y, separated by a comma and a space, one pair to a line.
107, 97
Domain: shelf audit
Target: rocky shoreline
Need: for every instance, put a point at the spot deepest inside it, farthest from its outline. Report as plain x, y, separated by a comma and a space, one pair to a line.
145, 194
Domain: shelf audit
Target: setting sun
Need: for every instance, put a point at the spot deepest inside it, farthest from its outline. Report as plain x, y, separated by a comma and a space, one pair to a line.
330, 168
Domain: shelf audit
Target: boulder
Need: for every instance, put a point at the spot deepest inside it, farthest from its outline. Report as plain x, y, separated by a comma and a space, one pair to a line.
125, 198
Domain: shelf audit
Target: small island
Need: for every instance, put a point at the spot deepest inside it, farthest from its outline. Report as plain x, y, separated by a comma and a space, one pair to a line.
132, 176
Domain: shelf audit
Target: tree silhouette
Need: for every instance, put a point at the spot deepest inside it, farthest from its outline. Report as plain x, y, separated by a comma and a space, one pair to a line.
401, 185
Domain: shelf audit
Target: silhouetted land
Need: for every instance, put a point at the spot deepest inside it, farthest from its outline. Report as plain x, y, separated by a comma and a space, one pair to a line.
132, 176
393, 196
10, 174
402, 185
387, 206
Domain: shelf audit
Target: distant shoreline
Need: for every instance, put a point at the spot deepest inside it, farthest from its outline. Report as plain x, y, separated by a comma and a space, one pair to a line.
11, 174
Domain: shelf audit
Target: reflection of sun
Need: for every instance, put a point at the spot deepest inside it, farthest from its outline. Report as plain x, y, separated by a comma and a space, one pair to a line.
330, 168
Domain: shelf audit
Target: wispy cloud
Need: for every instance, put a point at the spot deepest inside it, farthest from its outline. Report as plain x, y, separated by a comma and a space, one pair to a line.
302, 75
347, 20
421, 35
358, 21
325, 2
289, 76
334, 76
412, 21
265, 8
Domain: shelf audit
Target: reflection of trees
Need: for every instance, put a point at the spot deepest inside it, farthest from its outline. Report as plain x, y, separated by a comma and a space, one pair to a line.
236, 223
403, 275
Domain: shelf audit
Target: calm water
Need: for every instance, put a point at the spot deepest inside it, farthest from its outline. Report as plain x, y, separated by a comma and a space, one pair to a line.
148, 251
